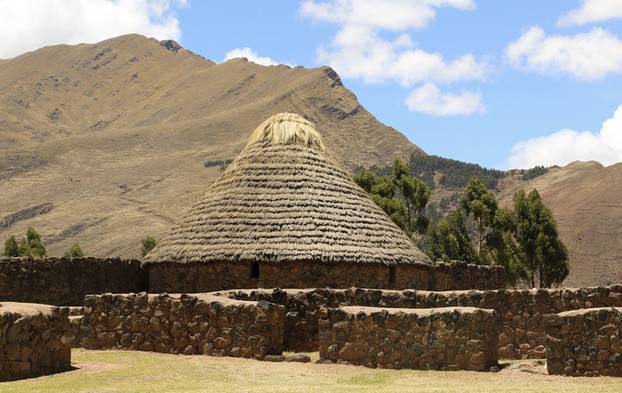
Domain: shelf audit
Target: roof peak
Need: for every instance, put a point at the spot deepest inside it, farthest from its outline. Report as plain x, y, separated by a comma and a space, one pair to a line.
287, 129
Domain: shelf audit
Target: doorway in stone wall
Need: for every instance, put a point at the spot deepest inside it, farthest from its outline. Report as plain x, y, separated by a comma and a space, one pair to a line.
255, 270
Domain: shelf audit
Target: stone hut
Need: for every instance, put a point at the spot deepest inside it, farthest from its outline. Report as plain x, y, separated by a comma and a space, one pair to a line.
285, 214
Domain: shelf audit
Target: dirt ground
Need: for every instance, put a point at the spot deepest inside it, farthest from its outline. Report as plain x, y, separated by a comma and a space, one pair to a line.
127, 371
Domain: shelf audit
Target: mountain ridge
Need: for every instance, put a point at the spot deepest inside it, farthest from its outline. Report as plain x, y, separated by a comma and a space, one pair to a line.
114, 135
103, 144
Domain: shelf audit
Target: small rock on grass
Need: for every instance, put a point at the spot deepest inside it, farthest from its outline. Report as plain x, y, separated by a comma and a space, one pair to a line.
299, 358
273, 358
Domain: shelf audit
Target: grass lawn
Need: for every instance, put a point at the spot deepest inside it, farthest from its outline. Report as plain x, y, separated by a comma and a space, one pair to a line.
127, 371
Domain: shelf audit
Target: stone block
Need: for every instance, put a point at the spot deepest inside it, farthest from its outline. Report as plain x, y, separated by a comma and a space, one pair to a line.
453, 338
35, 339
186, 324
585, 342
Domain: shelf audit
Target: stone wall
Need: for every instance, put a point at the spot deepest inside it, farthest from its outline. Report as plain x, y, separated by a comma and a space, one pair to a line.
521, 326
65, 281
584, 342
35, 339
438, 339
199, 277
198, 324
521, 331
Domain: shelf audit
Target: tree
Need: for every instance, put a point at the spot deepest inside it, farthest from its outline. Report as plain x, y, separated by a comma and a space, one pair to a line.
148, 244
542, 254
31, 245
11, 248
478, 203
74, 252
501, 247
449, 239
401, 196
415, 194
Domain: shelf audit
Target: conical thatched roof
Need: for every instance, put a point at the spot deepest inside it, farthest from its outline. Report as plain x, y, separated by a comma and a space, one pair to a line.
285, 199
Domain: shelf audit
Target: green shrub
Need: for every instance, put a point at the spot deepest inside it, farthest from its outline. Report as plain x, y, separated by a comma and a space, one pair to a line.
11, 248
74, 252
148, 244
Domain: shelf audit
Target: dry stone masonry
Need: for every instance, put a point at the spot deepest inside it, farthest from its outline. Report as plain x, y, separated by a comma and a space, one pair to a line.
65, 281
520, 322
35, 339
198, 324
585, 342
198, 277
438, 339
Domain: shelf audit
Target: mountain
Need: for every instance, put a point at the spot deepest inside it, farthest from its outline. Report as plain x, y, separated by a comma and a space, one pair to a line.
585, 198
103, 144
107, 143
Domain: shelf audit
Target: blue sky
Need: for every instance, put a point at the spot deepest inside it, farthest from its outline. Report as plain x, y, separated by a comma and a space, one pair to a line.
509, 83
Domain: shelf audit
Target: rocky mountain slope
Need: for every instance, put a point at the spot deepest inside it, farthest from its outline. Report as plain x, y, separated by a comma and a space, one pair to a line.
107, 143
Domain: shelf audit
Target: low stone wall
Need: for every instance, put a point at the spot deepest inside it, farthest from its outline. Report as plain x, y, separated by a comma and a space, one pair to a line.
199, 277
461, 276
521, 330
197, 324
65, 281
438, 339
521, 326
35, 339
584, 342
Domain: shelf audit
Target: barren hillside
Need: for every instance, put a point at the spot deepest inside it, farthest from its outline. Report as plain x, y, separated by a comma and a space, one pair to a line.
107, 143
104, 144
586, 199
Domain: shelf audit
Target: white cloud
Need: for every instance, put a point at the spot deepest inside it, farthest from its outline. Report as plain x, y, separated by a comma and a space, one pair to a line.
592, 11
358, 52
251, 55
372, 44
429, 99
26, 25
587, 56
394, 15
566, 146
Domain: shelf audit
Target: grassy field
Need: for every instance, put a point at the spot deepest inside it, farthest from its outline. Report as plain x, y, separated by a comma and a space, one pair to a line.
120, 371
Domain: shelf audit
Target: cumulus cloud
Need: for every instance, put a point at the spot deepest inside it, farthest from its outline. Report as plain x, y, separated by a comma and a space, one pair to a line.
358, 52
251, 55
566, 146
26, 25
588, 56
394, 15
431, 100
372, 44
592, 11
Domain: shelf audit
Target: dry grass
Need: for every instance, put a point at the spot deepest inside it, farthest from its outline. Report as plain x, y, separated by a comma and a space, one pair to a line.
119, 371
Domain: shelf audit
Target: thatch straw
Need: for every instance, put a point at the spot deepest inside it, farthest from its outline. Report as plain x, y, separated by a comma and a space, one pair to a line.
285, 199
287, 129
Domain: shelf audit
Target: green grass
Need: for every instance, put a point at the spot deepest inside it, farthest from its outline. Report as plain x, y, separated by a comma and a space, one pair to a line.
121, 371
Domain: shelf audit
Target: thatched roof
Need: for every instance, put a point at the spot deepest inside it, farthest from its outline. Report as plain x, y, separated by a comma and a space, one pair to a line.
285, 199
